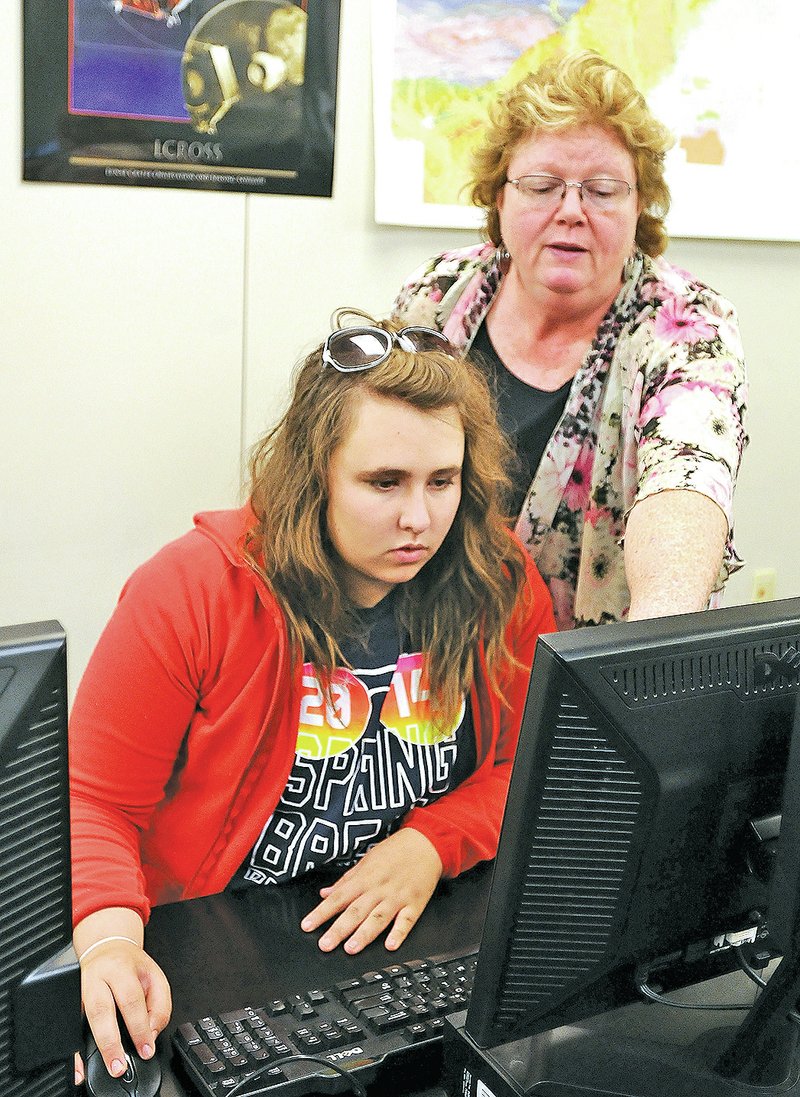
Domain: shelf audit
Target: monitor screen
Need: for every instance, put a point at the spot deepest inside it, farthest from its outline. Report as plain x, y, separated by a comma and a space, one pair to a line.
39, 977
639, 842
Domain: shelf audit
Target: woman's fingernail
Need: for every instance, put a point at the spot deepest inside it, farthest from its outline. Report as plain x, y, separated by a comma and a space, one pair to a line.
117, 1067
147, 1051
78, 1078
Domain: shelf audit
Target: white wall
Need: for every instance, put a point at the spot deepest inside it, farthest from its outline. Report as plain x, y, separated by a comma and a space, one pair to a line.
146, 338
121, 357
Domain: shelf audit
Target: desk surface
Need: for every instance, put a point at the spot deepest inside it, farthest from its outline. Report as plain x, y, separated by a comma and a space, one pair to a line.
230, 950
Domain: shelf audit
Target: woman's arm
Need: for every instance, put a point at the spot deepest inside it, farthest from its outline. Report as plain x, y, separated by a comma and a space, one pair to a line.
674, 547
130, 715
690, 437
116, 972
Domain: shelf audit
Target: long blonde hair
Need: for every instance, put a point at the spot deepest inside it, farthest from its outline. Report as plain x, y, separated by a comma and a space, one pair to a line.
464, 594
568, 91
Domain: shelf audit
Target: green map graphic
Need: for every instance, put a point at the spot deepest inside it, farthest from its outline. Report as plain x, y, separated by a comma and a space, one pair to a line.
642, 37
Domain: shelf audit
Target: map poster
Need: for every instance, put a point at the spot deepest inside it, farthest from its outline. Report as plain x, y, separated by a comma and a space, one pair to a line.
720, 74
211, 94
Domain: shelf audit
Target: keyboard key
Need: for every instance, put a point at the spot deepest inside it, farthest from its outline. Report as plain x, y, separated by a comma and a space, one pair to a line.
234, 1015
375, 1013
353, 1029
335, 1039
395, 1019
415, 1032
310, 1042
356, 994
204, 1054
190, 1034
347, 984
362, 1004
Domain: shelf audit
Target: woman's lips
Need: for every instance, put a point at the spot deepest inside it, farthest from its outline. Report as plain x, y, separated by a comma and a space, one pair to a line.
566, 252
409, 554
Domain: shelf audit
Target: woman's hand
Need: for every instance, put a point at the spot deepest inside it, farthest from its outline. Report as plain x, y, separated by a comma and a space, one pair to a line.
390, 885
118, 975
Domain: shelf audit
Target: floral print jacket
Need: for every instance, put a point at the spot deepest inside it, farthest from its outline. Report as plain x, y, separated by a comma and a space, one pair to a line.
657, 404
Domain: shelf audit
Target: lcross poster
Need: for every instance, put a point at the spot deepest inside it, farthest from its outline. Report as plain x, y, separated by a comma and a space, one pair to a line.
214, 94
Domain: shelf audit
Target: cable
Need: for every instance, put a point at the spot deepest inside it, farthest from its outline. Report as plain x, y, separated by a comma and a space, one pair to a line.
747, 968
647, 992
355, 1085
751, 973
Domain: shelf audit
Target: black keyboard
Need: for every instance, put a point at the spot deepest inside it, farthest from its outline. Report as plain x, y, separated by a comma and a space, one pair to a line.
366, 1027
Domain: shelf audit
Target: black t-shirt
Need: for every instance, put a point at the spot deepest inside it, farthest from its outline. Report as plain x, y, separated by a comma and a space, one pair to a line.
361, 764
527, 415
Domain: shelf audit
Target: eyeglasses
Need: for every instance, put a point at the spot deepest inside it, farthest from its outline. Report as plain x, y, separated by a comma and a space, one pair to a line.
548, 191
349, 350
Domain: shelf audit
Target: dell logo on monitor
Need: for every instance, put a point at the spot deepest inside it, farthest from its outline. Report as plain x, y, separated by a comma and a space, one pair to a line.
768, 667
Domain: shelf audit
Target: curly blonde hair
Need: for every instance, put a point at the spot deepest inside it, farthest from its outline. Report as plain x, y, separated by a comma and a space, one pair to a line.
465, 594
572, 90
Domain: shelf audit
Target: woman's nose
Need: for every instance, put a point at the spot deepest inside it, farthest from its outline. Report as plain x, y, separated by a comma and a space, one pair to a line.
415, 515
571, 205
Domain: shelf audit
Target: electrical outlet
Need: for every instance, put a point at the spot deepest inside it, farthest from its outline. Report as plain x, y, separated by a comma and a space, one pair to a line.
764, 583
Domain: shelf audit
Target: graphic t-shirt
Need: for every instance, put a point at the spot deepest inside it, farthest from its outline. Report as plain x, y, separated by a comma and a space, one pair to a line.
364, 757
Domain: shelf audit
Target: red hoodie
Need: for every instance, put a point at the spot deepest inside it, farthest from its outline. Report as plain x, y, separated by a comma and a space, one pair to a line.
184, 728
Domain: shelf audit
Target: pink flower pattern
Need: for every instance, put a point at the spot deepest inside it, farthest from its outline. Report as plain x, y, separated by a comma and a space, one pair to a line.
677, 322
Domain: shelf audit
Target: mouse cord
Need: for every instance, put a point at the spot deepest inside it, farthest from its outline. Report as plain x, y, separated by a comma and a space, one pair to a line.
355, 1085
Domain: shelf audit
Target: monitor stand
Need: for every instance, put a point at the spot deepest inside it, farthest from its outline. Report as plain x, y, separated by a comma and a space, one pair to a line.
639, 1050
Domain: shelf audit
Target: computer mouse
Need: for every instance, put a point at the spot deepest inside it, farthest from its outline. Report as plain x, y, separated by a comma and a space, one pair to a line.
142, 1077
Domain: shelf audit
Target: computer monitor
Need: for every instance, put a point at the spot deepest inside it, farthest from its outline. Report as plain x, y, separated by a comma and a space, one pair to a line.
40, 1017
640, 839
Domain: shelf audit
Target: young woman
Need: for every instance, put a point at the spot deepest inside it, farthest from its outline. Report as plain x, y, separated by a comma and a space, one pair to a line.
333, 675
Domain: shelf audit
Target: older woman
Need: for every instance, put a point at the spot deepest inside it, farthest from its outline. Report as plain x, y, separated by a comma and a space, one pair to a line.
619, 378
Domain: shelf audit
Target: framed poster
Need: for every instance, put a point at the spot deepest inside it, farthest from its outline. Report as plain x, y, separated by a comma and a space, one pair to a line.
213, 94
718, 73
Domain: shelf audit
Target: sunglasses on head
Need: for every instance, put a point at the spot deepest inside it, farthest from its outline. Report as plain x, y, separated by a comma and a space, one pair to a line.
352, 349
